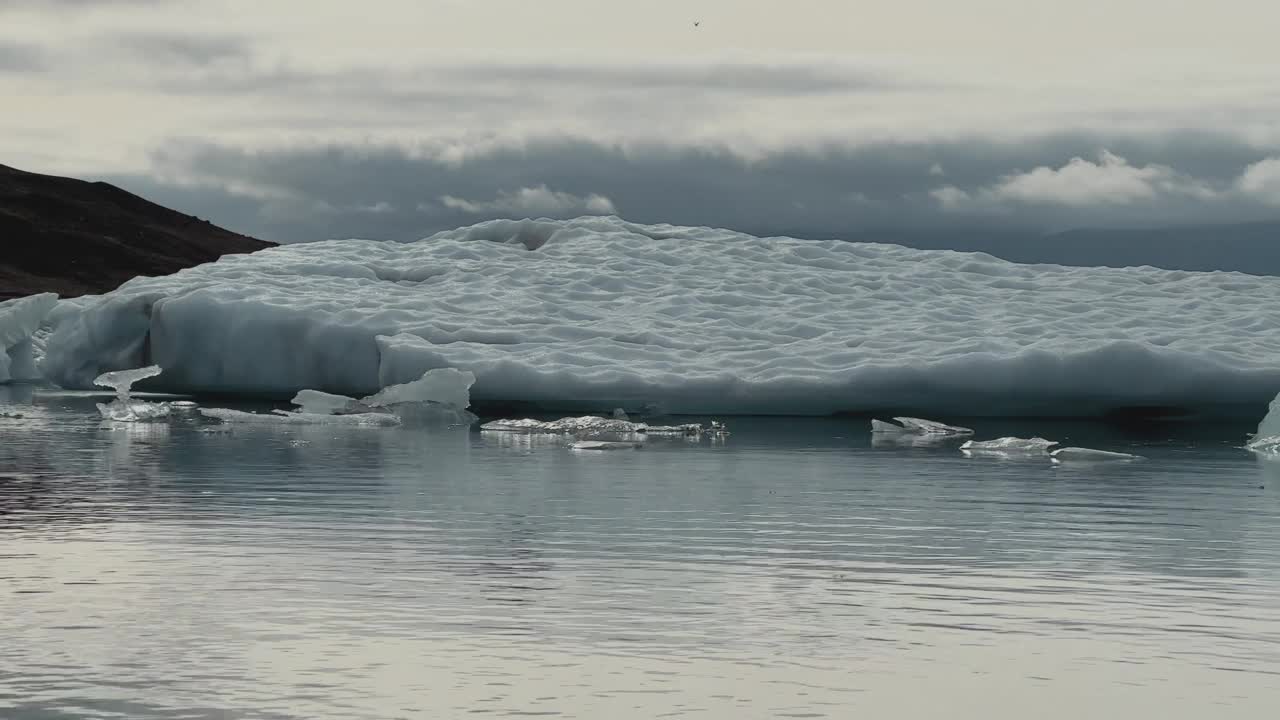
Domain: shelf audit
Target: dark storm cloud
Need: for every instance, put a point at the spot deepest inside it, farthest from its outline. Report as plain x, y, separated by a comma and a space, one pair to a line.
832, 191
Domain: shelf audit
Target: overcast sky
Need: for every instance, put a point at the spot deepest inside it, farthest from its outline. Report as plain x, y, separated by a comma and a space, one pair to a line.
394, 118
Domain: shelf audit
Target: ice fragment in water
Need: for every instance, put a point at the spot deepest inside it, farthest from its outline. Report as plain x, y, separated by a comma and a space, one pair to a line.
122, 380
1090, 455
124, 408
1267, 438
445, 386
918, 426
1009, 446
282, 417
594, 425
323, 403
604, 445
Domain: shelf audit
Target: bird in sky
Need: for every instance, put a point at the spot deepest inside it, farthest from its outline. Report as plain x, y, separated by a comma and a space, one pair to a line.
696, 23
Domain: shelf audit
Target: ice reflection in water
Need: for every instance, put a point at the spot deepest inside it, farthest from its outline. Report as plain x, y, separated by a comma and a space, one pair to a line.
155, 571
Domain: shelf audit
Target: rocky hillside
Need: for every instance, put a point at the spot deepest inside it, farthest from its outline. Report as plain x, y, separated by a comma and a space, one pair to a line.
75, 237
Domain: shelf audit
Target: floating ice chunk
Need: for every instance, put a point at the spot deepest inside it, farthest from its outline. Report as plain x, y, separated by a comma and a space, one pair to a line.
1008, 446
124, 408
1090, 455
122, 380
20, 320
918, 426
1267, 438
323, 403
282, 417
595, 425
604, 445
184, 404
445, 386
583, 424
134, 410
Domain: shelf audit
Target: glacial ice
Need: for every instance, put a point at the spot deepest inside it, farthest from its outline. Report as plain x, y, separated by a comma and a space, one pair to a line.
604, 445
124, 408
444, 386
122, 380
918, 426
1008, 446
593, 313
594, 425
1090, 455
282, 417
20, 319
440, 395
323, 403
1267, 438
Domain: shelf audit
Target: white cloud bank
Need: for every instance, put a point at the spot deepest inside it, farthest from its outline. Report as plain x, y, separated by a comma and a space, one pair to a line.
1261, 181
539, 200
1110, 181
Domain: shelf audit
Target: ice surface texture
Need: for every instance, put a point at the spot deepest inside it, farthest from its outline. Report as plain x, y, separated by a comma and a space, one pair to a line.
918, 426
19, 321
596, 313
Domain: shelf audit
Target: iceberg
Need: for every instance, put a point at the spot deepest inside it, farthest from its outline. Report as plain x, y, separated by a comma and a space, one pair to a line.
20, 320
578, 315
918, 426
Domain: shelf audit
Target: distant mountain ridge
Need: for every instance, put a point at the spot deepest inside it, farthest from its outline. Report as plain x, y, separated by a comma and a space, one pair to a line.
75, 237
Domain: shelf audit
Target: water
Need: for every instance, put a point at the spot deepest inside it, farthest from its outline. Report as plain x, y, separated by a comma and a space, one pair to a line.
794, 570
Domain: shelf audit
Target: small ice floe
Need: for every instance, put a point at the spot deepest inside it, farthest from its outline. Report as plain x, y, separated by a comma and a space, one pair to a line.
1268, 445
604, 445
1008, 446
1076, 454
286, 417
11, 416
918, 426
440, 395
184, 404
124, 408
595, 425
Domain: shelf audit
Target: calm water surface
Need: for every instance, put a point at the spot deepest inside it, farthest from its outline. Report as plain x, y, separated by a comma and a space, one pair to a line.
794, 570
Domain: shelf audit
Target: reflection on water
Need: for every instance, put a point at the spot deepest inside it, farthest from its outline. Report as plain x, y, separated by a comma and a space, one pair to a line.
797, 569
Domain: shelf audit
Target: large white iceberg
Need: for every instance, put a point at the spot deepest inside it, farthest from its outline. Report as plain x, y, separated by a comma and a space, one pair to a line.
596, 313
19, 321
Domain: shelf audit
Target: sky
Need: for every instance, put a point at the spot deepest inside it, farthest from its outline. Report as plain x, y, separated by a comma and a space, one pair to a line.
392, 119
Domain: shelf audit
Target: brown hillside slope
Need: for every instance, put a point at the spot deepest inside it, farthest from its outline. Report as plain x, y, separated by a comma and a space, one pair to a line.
75, 237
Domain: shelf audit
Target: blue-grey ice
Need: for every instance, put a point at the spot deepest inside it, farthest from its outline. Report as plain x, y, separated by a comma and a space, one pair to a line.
580, 315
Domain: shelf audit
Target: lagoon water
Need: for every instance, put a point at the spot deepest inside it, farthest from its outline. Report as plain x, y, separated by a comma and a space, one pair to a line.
795, 569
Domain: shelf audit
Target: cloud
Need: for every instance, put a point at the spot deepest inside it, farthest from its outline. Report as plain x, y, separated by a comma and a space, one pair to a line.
539, 200
188, 49
20, 58
1262, 181
1080, 184
75, 4
881, 191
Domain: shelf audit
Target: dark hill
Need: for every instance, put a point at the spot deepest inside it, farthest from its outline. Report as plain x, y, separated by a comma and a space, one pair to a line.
75, 237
